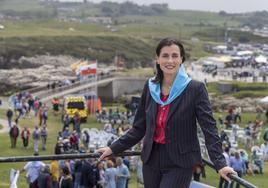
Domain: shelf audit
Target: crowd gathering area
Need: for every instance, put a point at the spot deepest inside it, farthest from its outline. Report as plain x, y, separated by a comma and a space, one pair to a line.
37, 128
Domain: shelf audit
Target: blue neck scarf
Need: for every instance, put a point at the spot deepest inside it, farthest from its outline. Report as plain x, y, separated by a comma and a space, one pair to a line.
180, 83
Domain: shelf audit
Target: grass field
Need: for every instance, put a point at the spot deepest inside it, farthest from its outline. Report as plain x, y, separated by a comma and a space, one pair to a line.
54, 126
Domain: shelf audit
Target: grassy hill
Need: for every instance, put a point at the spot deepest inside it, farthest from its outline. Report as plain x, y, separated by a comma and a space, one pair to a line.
37, 30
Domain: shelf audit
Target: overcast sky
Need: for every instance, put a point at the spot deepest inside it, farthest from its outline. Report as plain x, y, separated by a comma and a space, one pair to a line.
208, 5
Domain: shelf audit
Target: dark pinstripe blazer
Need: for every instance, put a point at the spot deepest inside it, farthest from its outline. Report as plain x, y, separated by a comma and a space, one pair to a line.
181, 130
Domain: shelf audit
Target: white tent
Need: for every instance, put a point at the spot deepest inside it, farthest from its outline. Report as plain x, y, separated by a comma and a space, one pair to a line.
264, 100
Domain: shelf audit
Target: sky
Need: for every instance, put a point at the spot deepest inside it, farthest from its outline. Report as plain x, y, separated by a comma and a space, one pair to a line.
231, 6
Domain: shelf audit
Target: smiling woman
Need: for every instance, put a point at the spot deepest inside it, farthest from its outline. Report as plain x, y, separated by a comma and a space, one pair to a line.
170, 104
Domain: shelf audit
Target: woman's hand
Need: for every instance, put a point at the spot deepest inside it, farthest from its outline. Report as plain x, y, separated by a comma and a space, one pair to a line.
225, 171
106, 151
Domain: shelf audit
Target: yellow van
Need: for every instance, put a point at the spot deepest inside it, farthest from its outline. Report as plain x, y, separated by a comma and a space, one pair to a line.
73, 104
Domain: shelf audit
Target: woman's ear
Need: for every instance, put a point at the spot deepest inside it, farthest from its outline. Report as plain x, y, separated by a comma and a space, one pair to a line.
156, 60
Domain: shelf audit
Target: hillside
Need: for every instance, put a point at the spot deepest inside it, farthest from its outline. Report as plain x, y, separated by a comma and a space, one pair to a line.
35, 27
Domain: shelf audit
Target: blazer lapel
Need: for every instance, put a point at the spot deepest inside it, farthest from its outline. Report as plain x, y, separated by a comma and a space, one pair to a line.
174, 105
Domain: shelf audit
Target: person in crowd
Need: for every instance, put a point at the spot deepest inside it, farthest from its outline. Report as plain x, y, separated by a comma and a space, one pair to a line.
264, 150
85, 139
122, 173
33, 169
36, 138
65, 120
55, 103
14, 132
88, 178
73, 141
168, 99
77, 173
36, 107
244, 157
237, 114
66, 180
77, 122
9, 115
55, 173
44, 179
30, 103
229, 118
101, 171
238, 165
256, 159
66, 133
43, 135
25, 135
247, 131
110, 175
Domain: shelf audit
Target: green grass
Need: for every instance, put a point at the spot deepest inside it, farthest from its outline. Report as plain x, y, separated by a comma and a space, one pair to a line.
54, 126
242, 90
1, 126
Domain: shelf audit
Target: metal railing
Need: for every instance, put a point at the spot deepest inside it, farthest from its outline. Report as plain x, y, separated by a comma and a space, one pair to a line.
235, 178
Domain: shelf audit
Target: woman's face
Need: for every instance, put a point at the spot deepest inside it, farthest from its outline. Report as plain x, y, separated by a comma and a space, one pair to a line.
169, 59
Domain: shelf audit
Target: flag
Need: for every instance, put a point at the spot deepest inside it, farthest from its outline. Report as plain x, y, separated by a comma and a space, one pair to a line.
90, 69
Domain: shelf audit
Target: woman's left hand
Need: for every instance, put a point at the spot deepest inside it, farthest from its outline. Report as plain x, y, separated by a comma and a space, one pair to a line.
225, 171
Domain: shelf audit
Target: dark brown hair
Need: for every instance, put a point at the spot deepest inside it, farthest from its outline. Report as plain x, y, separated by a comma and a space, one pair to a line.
166, 42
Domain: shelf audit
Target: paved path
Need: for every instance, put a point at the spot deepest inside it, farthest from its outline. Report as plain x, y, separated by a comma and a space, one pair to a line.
5, 128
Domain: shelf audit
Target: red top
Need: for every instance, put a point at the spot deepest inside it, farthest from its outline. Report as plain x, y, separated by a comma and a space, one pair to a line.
161, 121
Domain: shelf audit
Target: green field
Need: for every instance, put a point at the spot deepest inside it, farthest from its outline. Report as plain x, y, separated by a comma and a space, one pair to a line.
54, 126
241, 89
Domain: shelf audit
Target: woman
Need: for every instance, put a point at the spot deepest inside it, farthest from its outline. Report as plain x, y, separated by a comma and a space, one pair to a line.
166, 118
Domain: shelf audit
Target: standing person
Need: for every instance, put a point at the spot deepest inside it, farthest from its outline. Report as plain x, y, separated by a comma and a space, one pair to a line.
85, 139
25, 135
14, 133
55, 104
44, 179
122, 173
36, 138
9, 116
33, 169
238, 165
110, 175
43, 134
166, 118
87, 174
66, 180
77, 122
55, 173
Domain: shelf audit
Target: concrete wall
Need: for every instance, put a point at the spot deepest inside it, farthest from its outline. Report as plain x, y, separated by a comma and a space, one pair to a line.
225, 87
119, 87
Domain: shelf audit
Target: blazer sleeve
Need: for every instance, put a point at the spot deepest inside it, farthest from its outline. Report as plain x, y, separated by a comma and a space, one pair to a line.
208, 125
137, 132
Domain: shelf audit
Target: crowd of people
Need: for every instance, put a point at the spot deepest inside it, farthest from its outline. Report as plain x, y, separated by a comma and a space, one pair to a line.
232, 136
86, 173
115, 172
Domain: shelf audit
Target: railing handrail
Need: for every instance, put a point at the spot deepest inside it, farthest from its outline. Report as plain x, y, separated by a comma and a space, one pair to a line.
241, 181
236, 178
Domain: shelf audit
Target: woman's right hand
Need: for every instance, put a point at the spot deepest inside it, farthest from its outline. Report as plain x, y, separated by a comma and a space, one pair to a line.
106, 151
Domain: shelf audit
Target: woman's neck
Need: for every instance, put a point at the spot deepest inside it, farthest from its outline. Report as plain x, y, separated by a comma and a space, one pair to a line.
168, 80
